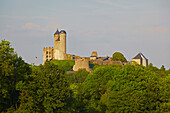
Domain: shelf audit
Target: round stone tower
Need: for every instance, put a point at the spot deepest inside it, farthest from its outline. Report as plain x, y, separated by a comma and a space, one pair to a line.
60, 45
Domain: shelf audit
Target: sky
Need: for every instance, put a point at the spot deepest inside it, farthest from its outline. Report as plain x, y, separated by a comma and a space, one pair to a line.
105, 26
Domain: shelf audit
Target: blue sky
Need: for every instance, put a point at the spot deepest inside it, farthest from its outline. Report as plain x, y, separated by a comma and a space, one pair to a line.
105, 26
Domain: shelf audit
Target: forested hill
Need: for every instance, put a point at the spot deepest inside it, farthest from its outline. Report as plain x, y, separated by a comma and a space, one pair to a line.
26, 88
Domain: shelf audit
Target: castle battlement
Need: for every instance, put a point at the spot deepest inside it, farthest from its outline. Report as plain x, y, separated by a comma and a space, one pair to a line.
48, 53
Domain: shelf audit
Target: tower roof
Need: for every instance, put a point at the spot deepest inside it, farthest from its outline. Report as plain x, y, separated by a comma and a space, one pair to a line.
139, 56
63, 31
57, 32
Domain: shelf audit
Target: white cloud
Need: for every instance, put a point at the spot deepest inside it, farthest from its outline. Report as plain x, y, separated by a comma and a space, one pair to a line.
113, 28
162, 29
31, 25
50, 26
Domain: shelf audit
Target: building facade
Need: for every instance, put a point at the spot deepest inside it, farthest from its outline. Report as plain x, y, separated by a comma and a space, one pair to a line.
140, 59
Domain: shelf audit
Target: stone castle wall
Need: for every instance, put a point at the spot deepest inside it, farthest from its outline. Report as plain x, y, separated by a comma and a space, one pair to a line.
81, 64
48, 54
106, 62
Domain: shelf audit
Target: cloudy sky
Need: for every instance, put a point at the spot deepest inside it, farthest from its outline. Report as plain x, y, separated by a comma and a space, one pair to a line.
105, 26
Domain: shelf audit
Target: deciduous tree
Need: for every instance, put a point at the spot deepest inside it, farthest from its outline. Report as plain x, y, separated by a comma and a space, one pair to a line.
47, 91
117, 56
12, 70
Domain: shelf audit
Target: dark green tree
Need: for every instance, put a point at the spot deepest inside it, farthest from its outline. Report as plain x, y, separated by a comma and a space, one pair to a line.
153, 68
66, 65
95, 86
163, 68
76, 83
12, 70
117, 56
77, 77
46, 91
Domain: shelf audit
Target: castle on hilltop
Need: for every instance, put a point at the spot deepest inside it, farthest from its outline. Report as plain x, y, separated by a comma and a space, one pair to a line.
58, 52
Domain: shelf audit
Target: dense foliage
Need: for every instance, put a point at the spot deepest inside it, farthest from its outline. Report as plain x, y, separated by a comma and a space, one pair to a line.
46, 91
117, 56
107, 89
12, 70
66, 65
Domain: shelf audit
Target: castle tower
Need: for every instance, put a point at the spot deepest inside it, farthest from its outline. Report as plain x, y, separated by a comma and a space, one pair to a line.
47, 54
60, 45
93, 55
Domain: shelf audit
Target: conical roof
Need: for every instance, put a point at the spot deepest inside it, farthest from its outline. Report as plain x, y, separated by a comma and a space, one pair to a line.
57, 32
63, 31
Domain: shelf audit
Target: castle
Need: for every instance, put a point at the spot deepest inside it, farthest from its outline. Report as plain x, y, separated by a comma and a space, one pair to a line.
59, 50
59, 53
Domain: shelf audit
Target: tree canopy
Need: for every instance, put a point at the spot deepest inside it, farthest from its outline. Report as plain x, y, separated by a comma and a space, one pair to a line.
47, 91
66, 65
12, 70
131, 89
117, 56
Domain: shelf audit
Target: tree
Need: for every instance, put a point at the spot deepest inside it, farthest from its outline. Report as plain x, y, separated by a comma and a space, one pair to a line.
76, 83
159, 72
6, 57
134, 90
165, 94
163, 68
95, 86
128, 89
12, 70
117, 56
77, 77
168, 72
66, 65
46, 91
152, 68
